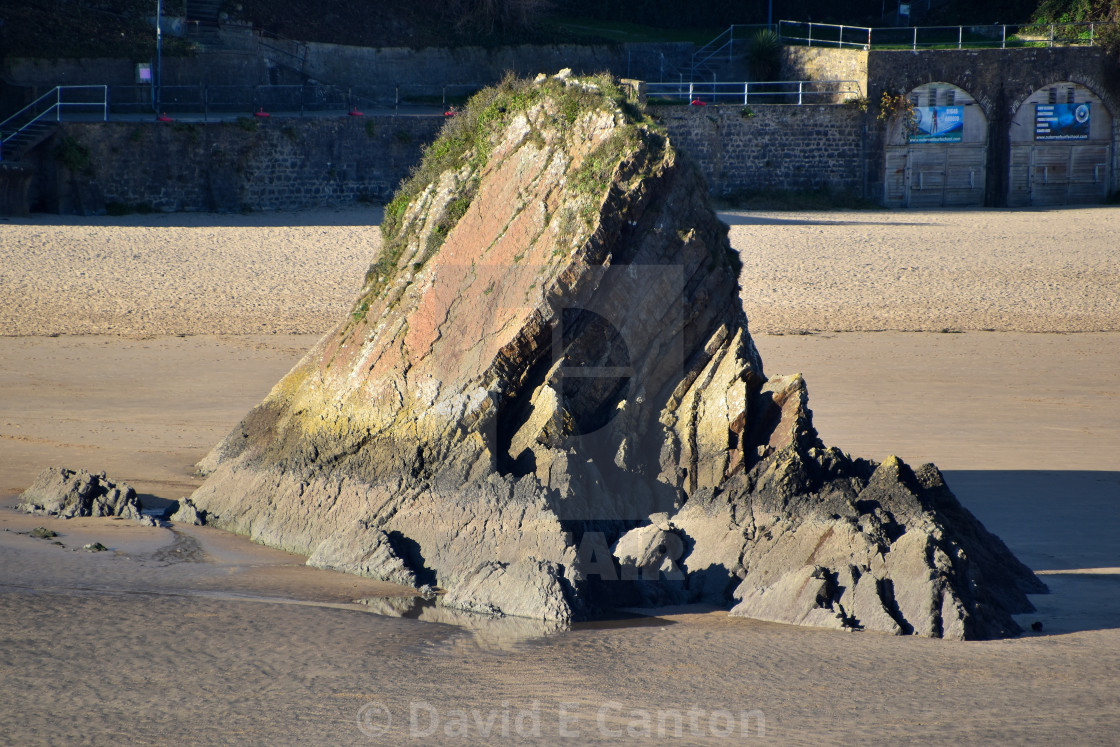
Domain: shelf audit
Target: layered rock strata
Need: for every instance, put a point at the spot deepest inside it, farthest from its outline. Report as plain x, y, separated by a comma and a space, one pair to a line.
546, 402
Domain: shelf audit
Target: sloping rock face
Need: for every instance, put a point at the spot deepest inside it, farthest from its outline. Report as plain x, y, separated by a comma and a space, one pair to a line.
546, 401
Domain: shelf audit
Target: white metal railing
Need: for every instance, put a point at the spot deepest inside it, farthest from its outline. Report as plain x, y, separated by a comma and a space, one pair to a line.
827, 34
51, 106
757, 92
724, 45
938, 37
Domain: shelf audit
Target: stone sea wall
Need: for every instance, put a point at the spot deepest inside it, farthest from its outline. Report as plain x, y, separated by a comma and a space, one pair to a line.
782, 147
278, 163
247, 164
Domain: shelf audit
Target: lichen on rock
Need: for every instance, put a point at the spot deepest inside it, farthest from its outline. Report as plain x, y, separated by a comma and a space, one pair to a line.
546, 401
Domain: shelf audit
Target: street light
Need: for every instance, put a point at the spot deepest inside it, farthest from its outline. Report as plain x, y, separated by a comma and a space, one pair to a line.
159, 54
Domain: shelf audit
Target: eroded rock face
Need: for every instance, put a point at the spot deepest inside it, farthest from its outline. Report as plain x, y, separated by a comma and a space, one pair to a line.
67, 493
546, 401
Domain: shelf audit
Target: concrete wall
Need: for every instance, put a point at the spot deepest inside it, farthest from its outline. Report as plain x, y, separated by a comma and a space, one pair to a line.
250, 164
771, 147
400, 66
213, 68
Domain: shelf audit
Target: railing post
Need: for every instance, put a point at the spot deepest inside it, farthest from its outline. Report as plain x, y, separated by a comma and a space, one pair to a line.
690, 98
1051, 35
800, 91
810, 34
746, 93
841, 37
915, 38
1003, 42
1092, 28
105, 99
58, 103
960, 36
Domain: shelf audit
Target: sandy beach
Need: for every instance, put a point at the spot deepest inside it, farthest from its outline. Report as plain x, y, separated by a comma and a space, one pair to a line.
133, 344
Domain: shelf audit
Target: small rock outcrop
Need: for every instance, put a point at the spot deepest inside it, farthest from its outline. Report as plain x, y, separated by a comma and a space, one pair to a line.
547, 402
66, 493
187, 513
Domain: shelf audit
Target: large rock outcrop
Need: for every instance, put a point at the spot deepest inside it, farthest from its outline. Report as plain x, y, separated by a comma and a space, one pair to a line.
546, 401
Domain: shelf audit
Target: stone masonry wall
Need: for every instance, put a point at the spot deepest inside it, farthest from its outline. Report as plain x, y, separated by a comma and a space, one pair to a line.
257, 164
771, 147
823, 63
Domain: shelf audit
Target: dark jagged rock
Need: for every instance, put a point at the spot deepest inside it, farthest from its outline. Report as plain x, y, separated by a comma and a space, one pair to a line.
547, 402
68, 493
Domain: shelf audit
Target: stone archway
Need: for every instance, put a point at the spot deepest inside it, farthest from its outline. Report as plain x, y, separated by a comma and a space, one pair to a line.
1061, 148
940, 159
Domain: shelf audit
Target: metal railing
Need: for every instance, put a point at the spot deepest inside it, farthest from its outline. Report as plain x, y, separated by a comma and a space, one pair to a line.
290, 100
289, 52
797, 92
53, 106
993, 36
723, 46
824, 34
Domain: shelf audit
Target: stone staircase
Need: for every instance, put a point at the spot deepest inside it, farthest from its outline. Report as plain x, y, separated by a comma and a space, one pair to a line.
204, 12
203, 19
725, 57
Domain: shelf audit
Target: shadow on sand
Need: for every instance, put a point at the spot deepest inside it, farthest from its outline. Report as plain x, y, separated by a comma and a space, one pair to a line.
356, 214
742, 218
1066, 527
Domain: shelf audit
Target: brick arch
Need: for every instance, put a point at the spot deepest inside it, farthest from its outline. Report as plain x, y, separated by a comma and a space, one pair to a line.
962, 80
1087, 81
893, 126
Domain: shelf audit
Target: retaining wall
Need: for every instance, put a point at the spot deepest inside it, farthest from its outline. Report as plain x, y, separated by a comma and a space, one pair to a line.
771, 146
249, 164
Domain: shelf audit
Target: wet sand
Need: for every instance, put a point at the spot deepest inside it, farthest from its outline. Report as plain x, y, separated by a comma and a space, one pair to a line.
197, 636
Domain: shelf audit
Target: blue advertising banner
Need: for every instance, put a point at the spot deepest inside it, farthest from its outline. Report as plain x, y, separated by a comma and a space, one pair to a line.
938, 124
1061, 121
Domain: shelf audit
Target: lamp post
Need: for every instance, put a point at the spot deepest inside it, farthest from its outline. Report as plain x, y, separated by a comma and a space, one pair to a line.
159, 54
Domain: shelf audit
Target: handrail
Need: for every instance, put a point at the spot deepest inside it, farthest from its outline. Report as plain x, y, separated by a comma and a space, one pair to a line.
52, 92
269, 40
784, 36
298, 99
56, 108
717, 46
949, 37
798, 92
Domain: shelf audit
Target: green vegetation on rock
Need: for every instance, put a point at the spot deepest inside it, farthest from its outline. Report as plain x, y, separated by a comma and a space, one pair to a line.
465, 146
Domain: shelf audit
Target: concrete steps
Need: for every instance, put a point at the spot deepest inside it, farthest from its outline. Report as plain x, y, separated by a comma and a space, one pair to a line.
204, 12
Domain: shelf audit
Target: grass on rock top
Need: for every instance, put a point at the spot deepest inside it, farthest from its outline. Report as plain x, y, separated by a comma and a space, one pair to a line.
465, 145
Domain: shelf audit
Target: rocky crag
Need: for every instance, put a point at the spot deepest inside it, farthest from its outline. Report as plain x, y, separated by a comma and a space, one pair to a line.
67, 493
546, 402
